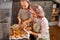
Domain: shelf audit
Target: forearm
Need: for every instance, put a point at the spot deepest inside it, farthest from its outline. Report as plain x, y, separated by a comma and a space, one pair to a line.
33, 33
27, 21
29, 28
19, 20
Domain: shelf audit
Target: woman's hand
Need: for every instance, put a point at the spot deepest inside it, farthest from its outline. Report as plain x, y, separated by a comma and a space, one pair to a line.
39, 35
33, 33
32, 11
29, 28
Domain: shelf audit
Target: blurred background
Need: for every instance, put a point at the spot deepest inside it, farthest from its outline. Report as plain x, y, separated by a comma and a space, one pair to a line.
9, 11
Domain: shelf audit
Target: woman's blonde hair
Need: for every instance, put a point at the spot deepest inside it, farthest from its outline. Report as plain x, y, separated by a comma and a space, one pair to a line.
39, 10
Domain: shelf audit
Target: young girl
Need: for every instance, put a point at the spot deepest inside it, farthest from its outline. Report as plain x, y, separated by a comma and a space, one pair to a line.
24, 16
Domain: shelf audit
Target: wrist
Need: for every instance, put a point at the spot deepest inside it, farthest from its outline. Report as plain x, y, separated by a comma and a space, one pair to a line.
39, 35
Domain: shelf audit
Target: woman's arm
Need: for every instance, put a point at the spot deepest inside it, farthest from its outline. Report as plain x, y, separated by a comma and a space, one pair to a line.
33, 33
32, 11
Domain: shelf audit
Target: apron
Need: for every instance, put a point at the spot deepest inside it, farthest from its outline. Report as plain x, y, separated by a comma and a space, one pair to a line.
37, 28
24, 15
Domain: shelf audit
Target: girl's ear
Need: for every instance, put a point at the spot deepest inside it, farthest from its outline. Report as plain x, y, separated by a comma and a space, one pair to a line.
29, 6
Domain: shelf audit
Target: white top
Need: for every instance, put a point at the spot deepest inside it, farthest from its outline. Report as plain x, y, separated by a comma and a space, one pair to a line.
44, 25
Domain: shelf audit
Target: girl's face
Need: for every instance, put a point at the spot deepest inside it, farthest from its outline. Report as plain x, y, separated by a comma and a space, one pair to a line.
24, 4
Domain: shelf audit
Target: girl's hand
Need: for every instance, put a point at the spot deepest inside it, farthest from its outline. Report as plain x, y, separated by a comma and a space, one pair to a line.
19, 21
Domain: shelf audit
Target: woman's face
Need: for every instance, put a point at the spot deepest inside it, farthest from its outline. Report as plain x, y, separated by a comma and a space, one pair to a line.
24, 4
35, 15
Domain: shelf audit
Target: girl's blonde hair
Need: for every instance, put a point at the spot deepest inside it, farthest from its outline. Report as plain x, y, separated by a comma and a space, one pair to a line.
27, 2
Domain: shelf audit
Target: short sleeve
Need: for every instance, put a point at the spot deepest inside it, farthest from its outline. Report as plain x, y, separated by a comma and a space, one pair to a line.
30, 15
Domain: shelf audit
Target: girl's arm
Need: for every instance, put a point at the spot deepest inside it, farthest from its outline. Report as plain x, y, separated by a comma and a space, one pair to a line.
19, 17
19, 20
27, 21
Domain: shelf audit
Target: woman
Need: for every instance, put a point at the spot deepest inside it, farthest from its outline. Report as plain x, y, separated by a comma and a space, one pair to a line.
40, 26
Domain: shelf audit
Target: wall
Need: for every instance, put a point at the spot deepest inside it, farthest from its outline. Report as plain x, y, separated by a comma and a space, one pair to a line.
5, 18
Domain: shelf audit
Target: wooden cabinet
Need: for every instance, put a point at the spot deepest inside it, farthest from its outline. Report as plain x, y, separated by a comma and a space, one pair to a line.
55, 15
